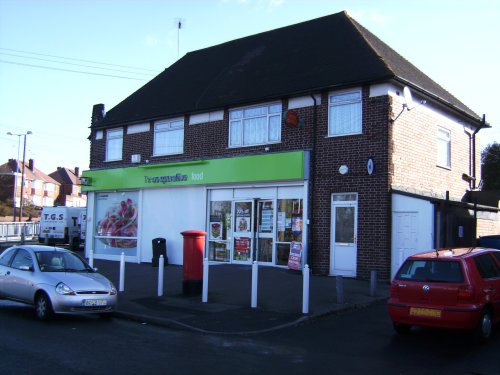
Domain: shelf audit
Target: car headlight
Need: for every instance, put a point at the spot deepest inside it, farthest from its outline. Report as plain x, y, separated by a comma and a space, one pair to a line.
112, 291
65, 290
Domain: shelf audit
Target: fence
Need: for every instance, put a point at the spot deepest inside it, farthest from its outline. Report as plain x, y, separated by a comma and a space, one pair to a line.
15, 231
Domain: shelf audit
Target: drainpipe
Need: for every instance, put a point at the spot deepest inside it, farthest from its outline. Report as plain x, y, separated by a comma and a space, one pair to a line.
445, 218
473, 138
312, 170
483, 123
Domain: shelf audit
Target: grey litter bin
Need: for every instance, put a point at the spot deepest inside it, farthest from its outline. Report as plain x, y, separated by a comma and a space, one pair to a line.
159, 248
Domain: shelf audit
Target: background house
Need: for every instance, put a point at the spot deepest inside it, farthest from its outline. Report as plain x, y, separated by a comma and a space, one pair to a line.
316, 137
70, 192
40, 190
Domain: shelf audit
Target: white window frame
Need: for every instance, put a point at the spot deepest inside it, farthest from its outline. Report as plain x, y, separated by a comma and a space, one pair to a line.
166, 128
338, 100
138, 128
443, 147
239, 117
114, 137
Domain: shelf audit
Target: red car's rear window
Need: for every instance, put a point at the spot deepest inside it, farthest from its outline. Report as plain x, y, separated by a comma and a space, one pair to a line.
431, 270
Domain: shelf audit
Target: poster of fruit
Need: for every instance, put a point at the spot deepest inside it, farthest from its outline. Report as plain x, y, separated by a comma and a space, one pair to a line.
117, 221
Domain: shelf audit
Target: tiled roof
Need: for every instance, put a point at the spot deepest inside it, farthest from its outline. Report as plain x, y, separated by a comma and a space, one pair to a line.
65, 176
29, 174
328, 52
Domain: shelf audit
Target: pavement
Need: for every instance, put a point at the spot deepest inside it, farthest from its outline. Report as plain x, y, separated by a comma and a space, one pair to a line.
228, 308
228, 311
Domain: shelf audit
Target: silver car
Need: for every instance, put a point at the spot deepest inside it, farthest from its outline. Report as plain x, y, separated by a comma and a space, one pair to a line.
54, 280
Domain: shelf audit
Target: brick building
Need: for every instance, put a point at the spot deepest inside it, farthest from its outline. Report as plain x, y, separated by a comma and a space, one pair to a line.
70, 192
317, 137
39, 189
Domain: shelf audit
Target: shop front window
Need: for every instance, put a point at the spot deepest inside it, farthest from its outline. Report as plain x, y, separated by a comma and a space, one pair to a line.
219, 230
289, 227
117, 222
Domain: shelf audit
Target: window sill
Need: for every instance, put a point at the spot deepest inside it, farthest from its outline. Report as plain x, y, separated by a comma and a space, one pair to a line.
161, 155
342, 135
255, 145
443, 167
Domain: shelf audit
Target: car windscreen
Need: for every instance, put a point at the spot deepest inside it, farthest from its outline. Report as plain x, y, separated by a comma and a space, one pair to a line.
431, 270
57, 261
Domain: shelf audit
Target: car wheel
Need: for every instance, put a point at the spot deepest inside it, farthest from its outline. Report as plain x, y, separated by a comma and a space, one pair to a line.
402, 329
485, 326
43, 307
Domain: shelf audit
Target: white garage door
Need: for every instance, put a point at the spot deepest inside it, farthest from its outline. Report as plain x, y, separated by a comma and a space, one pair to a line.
412, 228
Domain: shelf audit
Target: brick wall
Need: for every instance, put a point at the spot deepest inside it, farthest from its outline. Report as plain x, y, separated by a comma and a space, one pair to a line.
415, 153
373, 234
404, 153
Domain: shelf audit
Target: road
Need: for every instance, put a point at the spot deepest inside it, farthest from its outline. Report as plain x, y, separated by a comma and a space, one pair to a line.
355, 342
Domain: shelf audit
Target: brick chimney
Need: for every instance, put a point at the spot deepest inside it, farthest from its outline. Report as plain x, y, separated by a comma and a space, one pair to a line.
77, 172
31, 165
98, 113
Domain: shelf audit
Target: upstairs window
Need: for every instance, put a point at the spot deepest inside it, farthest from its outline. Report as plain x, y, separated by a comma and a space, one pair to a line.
114, 144
344, 113
255, 125
169, 137
444, 148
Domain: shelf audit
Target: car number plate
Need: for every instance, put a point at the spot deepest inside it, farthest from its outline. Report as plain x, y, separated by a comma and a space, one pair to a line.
419, 311
95, 302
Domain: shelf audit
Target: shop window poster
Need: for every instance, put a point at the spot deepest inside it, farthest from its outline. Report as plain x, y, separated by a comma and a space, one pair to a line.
267, 214
117, 222
216, 228
241, 248
243, 212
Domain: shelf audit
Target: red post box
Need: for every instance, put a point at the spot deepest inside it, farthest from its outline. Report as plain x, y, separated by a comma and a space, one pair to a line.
194, 245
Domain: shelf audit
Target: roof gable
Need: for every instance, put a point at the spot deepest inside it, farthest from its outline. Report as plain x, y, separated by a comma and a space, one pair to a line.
331, 51
64, 175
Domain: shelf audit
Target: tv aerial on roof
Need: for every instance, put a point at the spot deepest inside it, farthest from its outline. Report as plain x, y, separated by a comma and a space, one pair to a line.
408, 103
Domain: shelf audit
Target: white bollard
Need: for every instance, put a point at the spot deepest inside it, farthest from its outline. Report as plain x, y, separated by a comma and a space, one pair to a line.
204, 293
161, 265
305, 290
91, 258
255, 276
122, 273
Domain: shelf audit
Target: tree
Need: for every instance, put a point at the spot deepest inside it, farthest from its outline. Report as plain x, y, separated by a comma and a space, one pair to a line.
490, 167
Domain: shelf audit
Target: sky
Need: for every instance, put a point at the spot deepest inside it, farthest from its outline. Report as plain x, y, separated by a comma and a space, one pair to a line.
59, 57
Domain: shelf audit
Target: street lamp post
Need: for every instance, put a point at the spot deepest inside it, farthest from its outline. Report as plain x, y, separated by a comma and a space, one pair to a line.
22, 174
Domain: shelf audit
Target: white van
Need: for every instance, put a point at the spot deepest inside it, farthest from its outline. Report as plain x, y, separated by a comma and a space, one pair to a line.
82, 225
59, 225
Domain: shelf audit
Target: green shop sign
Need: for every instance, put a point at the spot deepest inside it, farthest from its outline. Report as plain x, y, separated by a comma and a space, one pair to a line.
255, 168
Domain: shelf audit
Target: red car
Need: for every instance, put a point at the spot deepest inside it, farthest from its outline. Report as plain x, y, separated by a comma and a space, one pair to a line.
448, 288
